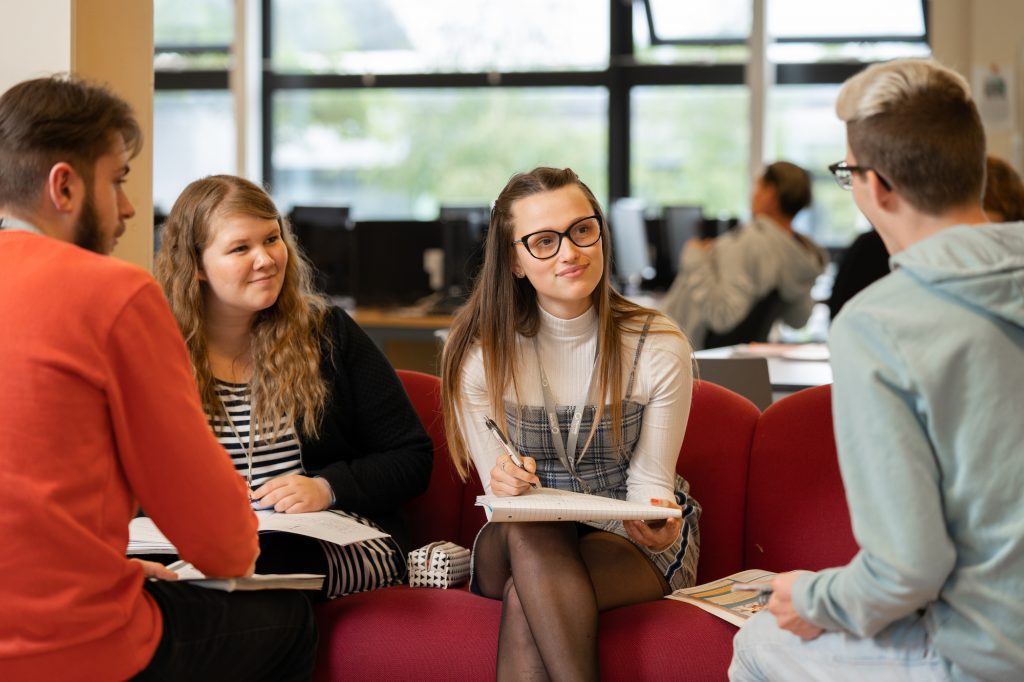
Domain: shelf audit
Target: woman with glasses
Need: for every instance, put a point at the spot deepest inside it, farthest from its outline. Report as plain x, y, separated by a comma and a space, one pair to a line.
307, 407
593, 391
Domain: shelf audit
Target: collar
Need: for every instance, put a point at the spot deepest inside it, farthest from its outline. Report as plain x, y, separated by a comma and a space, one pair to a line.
578, 326
7, 223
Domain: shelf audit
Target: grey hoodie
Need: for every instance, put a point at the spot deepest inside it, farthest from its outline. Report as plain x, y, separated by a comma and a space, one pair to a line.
717, 287
928, 405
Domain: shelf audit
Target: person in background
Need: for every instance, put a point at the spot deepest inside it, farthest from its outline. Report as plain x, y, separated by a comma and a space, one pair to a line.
721, 280
542, 338
308, 408
98, 413
926, 361
867, 259
1004, 192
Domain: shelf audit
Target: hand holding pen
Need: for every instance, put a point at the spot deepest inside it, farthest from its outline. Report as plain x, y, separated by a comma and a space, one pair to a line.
514, 479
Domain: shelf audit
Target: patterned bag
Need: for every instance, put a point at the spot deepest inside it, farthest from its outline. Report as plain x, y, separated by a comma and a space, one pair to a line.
439, 564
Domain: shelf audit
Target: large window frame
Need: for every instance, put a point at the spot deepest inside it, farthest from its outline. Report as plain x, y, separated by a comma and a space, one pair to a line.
623, 73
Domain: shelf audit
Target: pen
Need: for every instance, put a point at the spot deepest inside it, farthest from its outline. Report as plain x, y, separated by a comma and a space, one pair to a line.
763, 589
505, 445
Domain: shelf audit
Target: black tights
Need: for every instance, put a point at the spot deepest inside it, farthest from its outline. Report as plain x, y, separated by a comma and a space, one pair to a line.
553, 579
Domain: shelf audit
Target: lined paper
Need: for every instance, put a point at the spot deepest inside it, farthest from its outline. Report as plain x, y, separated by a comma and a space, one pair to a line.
549, 504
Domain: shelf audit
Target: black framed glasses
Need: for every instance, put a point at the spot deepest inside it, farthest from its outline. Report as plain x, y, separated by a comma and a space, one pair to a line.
546, 243
843, 173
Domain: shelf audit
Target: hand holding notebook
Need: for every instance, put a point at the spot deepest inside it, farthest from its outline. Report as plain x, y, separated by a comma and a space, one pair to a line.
550, 504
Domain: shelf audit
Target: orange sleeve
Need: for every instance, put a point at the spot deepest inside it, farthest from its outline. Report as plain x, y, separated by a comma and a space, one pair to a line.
177, 470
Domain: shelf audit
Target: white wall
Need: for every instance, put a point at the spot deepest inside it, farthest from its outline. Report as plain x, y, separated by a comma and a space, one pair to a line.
972, 34
109, 41
36, 41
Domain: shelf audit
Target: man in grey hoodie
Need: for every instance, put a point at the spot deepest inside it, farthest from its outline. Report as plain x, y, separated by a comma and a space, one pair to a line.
721, 280
929, 369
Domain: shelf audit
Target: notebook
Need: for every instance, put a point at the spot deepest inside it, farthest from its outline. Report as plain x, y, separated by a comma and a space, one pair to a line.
549, 504
145, 538
269, 581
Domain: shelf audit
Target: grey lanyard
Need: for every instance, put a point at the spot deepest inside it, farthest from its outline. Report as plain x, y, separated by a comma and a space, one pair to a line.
567, 451
15, 224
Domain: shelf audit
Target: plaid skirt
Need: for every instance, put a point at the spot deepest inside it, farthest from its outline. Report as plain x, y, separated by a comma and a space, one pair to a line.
605, 472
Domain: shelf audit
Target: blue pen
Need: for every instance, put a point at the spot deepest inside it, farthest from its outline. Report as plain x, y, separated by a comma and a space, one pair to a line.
505, 445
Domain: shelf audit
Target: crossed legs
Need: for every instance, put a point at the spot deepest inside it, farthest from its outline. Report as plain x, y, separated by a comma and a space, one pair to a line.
553, 583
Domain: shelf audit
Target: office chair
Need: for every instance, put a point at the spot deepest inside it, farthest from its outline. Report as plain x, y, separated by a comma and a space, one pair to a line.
754, 327
746, 376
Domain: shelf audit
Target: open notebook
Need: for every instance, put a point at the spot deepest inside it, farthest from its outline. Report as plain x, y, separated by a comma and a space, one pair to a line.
726, 597
145, 538
549, 504
270, 581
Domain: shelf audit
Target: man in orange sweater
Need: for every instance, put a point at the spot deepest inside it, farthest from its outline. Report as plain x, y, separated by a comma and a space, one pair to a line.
98, 414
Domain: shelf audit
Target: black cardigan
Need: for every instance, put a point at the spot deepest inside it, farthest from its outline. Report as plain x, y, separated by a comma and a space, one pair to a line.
371, 448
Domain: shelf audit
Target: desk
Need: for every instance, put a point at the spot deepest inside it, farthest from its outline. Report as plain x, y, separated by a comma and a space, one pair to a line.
409, 341
787, 374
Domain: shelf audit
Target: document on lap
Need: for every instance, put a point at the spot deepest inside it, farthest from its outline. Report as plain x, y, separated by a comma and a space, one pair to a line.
145, 538
270, 581
549, 504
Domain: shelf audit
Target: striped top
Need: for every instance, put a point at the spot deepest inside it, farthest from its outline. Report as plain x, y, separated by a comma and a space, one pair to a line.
357, 567
269, 460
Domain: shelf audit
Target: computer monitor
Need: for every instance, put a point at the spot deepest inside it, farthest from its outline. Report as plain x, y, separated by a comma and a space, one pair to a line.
159, 218
463, 231
632, 258
679, 224
325, 235
389, 261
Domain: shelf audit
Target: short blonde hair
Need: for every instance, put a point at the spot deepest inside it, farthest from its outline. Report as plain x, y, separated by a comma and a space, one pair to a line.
915, 123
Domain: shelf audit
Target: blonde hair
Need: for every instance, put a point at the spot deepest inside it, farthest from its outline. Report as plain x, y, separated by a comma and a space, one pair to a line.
287, 340
914, 122
503, 306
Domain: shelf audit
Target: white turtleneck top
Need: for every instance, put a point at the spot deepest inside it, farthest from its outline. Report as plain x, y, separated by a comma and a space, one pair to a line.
663, 384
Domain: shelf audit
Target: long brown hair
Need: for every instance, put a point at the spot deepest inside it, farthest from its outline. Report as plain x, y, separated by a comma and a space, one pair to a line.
286, 340
502, 306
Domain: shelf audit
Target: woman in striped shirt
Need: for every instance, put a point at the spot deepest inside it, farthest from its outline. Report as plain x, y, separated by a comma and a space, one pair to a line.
309, 410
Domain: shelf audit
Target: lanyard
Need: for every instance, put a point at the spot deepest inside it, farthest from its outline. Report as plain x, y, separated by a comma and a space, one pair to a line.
567, 450
15, 224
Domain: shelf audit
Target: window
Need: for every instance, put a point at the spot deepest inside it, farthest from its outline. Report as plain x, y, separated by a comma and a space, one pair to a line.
440, 36
803, 128
691, 146
395, 107
194, 136
380, 152
193, 112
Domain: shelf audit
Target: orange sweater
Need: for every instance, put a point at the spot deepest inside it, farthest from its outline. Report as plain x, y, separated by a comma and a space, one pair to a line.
98, 413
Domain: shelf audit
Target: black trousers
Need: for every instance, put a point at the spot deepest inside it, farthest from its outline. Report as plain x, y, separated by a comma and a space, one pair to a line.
215, 635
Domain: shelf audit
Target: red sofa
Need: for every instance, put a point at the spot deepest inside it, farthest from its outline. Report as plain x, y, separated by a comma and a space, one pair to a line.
772, 498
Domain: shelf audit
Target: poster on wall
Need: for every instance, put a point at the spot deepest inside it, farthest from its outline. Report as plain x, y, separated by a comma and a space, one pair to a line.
994, 92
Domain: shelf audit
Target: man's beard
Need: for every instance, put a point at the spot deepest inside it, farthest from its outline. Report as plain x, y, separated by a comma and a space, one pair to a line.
87, 230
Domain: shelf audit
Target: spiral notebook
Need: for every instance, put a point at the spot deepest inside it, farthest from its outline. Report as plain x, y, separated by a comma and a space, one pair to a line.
549, 504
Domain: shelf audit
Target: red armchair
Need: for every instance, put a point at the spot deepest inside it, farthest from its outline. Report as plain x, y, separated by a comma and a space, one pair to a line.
771, 497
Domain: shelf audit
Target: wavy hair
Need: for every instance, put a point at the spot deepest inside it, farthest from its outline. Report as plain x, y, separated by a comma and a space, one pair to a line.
503, 306
287, 340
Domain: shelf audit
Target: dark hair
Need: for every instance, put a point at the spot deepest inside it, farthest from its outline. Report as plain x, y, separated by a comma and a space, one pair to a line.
60, 118
1004, 191
792, 186
914, 122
